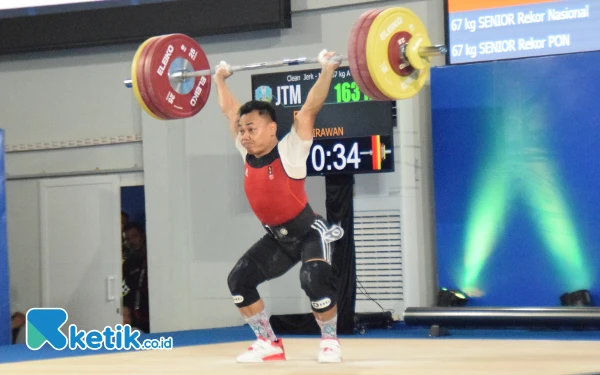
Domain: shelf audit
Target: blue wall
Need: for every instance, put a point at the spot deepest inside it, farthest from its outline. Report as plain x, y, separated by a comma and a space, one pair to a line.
516, 152
5, 331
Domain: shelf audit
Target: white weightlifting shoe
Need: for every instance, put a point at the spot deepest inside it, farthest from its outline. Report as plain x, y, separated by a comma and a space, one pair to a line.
263, 350
331, 351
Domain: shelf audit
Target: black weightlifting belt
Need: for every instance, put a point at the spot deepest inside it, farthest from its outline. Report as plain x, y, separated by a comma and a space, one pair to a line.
297, 227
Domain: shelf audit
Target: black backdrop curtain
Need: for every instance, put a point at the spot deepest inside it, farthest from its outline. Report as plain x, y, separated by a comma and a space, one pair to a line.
340, 210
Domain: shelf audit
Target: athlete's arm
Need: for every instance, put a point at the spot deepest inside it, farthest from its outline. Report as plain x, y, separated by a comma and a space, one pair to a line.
228, 103
293, 152
305, 118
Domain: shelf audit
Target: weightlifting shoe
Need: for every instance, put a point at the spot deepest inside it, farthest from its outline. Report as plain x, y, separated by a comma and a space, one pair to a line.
263, 350
331, 351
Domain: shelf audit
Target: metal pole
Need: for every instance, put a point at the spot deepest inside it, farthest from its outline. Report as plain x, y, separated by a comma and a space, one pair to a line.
36, 176
503, 317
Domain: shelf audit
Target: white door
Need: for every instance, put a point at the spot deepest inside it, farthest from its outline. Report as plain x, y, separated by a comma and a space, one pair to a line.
81, 249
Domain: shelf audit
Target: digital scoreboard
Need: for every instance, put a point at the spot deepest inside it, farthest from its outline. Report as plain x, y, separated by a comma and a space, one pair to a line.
490, 30
353, 133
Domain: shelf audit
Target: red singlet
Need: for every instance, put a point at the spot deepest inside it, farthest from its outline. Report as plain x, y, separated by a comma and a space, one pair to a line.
274, 183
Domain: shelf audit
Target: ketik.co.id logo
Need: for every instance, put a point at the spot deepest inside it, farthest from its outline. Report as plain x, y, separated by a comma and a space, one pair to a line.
44, 327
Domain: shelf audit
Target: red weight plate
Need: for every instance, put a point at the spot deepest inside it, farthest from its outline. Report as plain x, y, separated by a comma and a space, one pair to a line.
177, 51
143, 82
361, 55
146, 66
146, 63
352, 46
401, 37
353, 55
134, 79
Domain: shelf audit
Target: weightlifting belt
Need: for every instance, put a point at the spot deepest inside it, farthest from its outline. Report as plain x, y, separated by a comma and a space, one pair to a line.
297, 227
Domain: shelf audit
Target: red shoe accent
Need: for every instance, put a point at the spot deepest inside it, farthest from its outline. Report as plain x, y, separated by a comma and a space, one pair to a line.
275, 357
278, 343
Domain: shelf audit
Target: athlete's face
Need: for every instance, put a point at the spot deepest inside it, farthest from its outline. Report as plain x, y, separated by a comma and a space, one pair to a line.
258, 133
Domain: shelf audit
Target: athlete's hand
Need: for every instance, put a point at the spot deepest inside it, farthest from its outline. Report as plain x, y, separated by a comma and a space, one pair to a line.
328, 61
223, 71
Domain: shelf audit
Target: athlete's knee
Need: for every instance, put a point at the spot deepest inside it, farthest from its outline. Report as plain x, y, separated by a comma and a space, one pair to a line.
318, 282
242, 282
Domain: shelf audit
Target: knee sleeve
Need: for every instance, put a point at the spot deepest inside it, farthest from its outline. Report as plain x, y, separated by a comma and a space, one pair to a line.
243, 280
318, 282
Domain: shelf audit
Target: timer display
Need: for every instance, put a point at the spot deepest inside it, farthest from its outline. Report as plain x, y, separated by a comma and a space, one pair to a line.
351, 155
346, 127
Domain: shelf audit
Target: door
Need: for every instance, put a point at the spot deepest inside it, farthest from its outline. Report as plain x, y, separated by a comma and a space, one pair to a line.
81, 249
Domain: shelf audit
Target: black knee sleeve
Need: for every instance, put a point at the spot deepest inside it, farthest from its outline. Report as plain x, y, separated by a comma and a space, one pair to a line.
243, 280
319, 284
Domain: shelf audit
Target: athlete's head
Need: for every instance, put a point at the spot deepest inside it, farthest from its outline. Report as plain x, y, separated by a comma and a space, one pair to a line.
258, 127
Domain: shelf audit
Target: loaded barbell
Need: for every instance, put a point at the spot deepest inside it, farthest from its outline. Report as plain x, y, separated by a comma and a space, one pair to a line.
389, 55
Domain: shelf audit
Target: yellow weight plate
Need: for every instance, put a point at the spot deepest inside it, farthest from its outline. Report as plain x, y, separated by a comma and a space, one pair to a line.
134, 82
412, 51
386, 25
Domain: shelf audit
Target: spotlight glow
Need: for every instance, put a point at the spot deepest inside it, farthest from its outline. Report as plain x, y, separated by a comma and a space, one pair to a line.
520, 167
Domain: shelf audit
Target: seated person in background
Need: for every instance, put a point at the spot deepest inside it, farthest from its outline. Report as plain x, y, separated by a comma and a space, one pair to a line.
126, 315
127, 319
135, 279
17, 321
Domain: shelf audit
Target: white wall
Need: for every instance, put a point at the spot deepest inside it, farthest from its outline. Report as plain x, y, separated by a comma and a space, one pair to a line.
195, 202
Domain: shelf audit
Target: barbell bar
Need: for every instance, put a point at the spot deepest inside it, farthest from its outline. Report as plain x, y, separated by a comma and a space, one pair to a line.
389, 55
182, 76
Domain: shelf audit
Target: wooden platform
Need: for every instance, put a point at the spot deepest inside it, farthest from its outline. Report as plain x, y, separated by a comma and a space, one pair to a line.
361, 357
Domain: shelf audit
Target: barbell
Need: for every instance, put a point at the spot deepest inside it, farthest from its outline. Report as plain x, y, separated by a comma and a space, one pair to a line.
389, 55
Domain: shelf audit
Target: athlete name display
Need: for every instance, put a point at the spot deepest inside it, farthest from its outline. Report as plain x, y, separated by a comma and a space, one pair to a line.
352, 134
492, 30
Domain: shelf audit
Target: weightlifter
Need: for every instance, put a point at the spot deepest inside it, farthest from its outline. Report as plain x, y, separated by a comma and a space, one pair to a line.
275, 173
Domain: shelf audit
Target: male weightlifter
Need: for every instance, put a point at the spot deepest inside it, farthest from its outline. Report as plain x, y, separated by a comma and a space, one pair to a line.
275, 172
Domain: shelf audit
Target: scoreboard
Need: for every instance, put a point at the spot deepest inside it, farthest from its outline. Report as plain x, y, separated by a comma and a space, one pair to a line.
353, 133
479, 30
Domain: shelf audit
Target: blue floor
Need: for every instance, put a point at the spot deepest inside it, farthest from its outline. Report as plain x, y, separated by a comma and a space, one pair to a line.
20, 352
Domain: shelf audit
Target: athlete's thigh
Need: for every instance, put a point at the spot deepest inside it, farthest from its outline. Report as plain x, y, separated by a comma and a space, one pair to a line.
271, 257
314, 246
